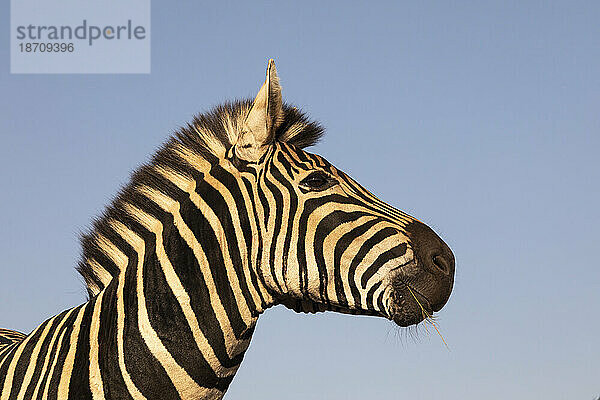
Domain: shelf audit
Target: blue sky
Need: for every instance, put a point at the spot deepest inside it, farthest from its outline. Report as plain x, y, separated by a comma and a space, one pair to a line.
480, 118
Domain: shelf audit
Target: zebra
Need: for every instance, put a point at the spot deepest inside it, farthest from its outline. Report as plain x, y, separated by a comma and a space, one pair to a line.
230, 217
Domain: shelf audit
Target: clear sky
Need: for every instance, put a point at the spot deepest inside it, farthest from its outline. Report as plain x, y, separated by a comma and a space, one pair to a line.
480, 118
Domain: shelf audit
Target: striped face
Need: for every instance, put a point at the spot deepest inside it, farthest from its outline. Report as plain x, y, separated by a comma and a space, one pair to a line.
332, 245
329, 244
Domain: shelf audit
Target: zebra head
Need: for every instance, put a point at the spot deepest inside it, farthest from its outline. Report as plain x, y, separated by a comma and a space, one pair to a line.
327, 242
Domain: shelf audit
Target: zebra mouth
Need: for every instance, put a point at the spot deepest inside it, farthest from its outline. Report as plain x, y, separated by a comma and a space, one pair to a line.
408, 306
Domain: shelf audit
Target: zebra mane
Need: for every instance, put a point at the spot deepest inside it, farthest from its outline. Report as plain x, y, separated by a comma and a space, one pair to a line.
210, 135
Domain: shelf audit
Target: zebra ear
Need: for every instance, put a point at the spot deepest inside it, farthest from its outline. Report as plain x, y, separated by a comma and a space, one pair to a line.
263, 119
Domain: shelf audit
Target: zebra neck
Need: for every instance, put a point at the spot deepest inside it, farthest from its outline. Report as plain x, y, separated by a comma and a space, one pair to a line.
198, 268
187, 268
186, 305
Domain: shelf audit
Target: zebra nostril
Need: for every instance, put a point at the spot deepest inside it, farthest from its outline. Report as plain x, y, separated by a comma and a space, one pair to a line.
441, 263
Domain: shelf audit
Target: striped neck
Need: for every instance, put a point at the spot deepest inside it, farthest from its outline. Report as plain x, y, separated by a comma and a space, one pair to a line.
189, 283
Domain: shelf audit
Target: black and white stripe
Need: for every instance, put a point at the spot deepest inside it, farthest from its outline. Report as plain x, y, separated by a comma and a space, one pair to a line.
230, 217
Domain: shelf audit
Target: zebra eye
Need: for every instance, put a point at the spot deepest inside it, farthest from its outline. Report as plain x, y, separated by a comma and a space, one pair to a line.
317, 181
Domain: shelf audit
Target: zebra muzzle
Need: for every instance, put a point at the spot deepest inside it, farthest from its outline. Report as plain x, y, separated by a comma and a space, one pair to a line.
422, 286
